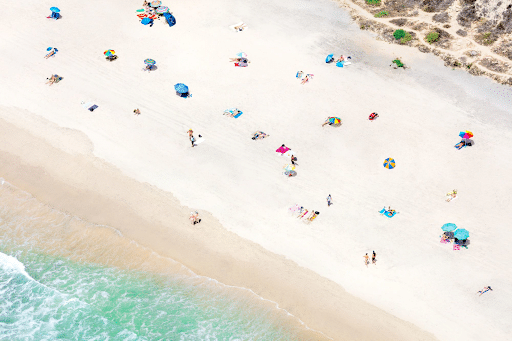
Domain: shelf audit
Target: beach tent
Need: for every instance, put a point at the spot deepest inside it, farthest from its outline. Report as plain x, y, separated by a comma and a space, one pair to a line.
171, 20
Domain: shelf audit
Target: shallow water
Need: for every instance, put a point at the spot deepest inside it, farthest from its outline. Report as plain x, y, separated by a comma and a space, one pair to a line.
53, 287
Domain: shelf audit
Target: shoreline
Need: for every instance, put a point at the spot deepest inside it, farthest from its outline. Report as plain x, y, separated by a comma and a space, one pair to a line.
208, 250
457, 52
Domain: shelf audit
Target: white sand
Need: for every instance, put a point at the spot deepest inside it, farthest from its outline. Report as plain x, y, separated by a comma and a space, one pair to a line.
240, 181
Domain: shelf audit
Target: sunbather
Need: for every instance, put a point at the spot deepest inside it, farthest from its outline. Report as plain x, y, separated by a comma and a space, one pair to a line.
451, 195
340, 59
484, 290
327, 121
259, 135
52, 79
111, 58
306, 79
373, 116
51, 54
460, 145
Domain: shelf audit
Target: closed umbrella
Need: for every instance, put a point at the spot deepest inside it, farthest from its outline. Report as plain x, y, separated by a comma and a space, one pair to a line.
54, 9
389, 163
461, 234
449, 227
181, 88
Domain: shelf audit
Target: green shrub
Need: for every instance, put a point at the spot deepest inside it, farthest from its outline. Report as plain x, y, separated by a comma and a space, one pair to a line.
381, 14
373, 2
398, 63
432, 37
407, 37
398, 34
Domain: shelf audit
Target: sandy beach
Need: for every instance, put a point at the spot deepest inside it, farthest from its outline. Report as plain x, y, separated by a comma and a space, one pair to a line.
140, 176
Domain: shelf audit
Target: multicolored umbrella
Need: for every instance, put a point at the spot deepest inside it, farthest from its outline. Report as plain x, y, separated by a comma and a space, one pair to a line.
155, 3
334, 120
149, 61
461, 234
54, 9
162, 9
289, 168
109, 53
181, 88
449, 227
241, 55
389, 163
466, 135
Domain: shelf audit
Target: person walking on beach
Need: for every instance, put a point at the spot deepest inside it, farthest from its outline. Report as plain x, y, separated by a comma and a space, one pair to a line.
293, 159
329, 201
191, 137
374, 258
484, 290
366, 260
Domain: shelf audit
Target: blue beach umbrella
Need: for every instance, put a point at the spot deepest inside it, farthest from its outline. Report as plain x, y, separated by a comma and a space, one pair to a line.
449, 227
54, 9
461, 234
389, 163
181, 88
146, 21
329, 58
149, 61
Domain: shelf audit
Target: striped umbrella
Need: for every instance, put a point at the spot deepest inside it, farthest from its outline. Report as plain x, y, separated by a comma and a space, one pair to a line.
156, 3
162, 9
449, 227
181, 88
334, 120
109, 53
149, 61
466, 135
461, 234
389, 163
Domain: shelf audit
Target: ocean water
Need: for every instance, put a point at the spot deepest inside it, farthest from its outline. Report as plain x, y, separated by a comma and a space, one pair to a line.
64, 279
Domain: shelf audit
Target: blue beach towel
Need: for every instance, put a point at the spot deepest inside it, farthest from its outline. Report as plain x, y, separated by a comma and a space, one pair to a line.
171, 20
387, 213
340, 64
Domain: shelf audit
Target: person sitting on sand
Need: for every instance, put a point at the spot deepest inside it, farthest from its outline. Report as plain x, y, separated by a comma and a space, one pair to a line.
340, 59
136, 112
390, 210
52, 79
445, 238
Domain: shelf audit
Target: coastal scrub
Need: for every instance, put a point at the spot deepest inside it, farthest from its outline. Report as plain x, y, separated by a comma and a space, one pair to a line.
373, 2
402, 36
381, 14
432, 37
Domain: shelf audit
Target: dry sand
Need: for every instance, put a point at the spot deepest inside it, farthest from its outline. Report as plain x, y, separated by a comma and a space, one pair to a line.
113, 168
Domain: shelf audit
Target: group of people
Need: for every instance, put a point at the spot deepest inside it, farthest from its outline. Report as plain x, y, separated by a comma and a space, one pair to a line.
367, 259
194, 218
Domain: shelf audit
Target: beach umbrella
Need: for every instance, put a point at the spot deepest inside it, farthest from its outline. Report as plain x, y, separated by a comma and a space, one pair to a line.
389, 163
156, 3
149, 61
162, 9
181, 88
54, 9
289, 168
241, 55
109, 53
449, 227
146, 21
461, 234
329, 58
334, 120
466, 134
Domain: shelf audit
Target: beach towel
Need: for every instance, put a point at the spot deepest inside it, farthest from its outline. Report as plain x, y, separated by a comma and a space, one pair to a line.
241, 26
444, 241
282, 149
456, 247
89, 106
388, 213
171, 20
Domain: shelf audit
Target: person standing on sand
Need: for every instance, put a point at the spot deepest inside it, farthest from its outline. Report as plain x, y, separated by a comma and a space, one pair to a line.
374, 258
191, 137
329, 201
366, 260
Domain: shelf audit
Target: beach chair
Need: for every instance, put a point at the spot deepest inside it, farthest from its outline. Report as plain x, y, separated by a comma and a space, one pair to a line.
460, 145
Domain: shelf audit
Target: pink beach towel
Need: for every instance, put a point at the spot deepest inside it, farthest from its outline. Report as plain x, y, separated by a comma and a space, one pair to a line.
444, 241
456, 247
282, 149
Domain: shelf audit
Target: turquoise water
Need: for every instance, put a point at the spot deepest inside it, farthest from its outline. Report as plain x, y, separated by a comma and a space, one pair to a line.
65, 279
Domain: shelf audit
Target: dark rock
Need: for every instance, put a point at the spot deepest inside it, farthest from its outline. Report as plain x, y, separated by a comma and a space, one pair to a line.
435, 5
494, 65
467, 15
423, 49
446, 26
441, 17
399, 22
504, 49
462, 33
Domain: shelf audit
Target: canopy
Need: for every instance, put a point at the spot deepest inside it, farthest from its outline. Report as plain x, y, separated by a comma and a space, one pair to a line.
466, 134
461, 234
162, 9
149, 61
329, 58
289, 168
389, 163
242, 55
156, 3
181, 88
109, 53
334, 120
146, 21
54, 9
449, 227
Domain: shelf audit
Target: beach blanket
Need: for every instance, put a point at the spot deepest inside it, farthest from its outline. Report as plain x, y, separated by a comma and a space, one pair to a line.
233, 112
239, 27
171, 20
282, 150
89, 106
388, 213
342, 63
